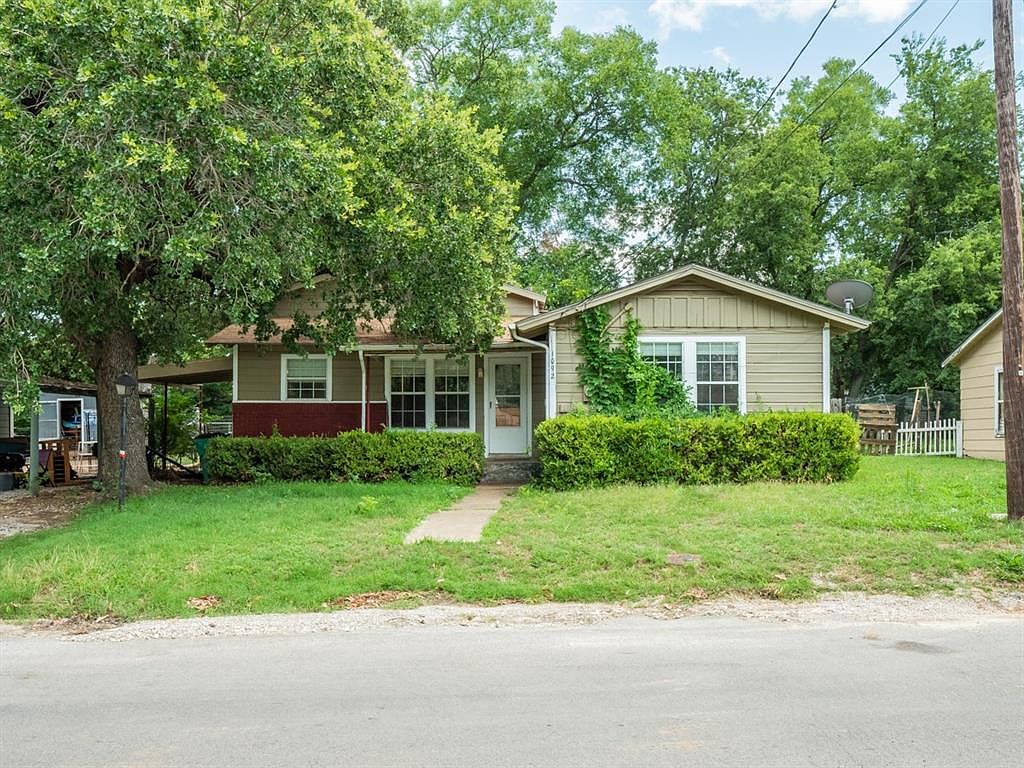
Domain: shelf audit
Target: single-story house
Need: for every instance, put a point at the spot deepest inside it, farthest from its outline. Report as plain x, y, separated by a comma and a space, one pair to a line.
980, 359
734, 343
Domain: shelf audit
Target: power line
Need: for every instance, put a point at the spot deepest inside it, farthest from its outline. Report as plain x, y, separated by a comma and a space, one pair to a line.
927, 39
795, 60
647, 242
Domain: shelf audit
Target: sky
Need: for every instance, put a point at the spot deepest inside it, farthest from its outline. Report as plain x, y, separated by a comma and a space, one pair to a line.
761, 37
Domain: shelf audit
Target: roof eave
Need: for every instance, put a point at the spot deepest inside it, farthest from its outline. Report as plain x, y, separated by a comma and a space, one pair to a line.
968, 344
840, 319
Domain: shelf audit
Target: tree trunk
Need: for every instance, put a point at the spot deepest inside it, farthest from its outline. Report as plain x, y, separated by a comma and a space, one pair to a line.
117, 356
1013, 261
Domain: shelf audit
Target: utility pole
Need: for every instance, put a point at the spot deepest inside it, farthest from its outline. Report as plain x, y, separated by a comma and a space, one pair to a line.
1013, 261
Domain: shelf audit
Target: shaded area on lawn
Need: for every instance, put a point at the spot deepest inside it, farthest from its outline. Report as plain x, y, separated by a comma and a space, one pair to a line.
902, 525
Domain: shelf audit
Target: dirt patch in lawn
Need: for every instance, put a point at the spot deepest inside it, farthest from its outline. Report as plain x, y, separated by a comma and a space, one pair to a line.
21, 513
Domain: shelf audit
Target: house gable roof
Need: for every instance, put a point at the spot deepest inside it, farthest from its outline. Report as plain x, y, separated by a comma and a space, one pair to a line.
835, 317
972, 341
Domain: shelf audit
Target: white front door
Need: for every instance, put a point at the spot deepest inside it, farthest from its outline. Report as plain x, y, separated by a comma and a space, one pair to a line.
508, 404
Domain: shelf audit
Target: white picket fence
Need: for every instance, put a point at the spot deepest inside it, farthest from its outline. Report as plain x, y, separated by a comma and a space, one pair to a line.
944, 437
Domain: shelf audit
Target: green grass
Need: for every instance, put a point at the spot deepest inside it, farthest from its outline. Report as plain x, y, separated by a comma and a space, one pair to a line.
903, 525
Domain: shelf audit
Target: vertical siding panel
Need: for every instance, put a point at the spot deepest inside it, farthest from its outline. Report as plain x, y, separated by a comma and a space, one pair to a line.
713, 312
679, 316
695, 308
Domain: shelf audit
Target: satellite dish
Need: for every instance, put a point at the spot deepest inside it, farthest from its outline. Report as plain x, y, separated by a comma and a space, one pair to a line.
848, 295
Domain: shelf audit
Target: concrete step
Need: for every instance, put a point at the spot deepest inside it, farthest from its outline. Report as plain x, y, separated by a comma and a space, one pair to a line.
517, 471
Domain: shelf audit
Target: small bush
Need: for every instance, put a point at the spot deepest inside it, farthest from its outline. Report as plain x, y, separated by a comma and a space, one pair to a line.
589, 450
357, 456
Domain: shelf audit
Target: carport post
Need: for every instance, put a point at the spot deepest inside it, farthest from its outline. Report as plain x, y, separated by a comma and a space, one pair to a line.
33, 452
163, 431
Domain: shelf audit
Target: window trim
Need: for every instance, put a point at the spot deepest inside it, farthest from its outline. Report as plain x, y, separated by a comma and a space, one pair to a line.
431, 393
996, 402
690, 359
284, 378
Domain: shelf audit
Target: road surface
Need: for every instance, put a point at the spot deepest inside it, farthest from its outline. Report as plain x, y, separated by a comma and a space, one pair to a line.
629, 691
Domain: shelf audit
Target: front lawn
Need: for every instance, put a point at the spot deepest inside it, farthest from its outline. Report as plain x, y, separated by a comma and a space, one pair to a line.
901, 525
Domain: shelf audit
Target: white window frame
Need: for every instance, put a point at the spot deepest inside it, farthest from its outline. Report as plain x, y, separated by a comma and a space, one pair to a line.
284, 379
690, 359
431, 392
996, 402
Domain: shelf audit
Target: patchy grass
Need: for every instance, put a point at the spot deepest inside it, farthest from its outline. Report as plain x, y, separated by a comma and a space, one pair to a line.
902, 525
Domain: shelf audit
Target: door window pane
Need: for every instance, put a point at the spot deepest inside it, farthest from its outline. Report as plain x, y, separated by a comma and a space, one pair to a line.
507, 395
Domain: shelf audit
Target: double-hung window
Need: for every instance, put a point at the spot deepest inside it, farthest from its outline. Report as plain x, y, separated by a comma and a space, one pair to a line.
712, 368
999, 402
718, 375
305, 377
409, 394
434, 392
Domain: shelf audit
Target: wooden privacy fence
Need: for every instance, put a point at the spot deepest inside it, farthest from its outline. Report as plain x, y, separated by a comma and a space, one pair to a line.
944, 437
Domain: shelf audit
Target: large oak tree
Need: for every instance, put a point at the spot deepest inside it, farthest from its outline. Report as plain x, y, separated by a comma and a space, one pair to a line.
166, 167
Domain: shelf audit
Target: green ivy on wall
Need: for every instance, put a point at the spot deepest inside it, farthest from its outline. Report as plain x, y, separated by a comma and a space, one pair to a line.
616, 379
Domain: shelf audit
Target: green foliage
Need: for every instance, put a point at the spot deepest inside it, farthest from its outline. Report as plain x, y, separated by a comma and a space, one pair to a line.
586, 450
181, 420
167, 168
576, 111
351, 456
616, 379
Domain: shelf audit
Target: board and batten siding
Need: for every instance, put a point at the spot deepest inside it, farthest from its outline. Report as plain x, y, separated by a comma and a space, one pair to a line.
978, 396
783, 345
259, 376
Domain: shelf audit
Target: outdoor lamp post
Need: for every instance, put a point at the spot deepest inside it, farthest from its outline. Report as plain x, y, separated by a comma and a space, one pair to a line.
125, 384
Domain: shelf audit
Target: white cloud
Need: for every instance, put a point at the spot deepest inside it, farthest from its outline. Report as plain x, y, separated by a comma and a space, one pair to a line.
721, 54
690, 14
582, 17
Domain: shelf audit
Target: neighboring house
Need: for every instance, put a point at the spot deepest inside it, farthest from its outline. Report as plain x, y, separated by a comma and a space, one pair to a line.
734, 343
68, 412
980, 359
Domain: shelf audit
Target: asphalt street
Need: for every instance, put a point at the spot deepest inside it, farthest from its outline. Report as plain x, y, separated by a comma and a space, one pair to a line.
628, 692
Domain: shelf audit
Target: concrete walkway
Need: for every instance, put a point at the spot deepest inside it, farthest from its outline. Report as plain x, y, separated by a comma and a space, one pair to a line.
465, 519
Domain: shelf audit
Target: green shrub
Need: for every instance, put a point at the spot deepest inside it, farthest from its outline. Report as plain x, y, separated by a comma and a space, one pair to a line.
359, 456
591, 450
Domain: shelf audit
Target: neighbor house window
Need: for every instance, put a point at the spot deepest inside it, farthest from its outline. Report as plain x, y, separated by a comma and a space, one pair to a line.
409, 393
430, 392
711, 368
718, 375
999, 402
305, 378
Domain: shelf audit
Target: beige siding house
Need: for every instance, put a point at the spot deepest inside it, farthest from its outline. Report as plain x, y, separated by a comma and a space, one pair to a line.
980, 359
733, 343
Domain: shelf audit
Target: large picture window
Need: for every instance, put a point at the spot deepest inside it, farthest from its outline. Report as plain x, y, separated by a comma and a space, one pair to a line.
711, 368
305, 378
434, 392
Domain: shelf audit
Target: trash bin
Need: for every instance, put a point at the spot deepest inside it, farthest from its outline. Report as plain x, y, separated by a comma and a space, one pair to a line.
202, 442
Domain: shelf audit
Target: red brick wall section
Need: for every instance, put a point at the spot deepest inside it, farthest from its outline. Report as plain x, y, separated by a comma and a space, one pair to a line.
304, 419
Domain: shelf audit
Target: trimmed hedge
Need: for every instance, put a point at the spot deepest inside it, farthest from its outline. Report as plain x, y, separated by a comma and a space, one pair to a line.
588, 450
351, 456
